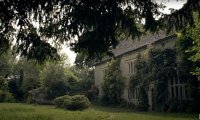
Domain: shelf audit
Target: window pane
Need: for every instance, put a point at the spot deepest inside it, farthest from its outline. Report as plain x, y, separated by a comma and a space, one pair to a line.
181, 81
172, 92
181, 92
187, 94
136, 93
134, 68
131, 67
171, 81
176, 91
176, 81
132, 93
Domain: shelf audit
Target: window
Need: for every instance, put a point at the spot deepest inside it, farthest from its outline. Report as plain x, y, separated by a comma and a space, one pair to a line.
177, 89
187, 93
131, 66
133, 93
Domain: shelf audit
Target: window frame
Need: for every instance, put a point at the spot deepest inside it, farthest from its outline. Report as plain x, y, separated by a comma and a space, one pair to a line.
177, 89
131, 66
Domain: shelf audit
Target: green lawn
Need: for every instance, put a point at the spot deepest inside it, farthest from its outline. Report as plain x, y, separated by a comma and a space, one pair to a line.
16, 111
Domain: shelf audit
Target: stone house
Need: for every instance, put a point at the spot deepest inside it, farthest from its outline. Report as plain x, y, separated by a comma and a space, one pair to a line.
127, 51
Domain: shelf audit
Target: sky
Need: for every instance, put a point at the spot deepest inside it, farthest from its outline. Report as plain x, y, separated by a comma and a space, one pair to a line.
176, 4
169, 4
71, 54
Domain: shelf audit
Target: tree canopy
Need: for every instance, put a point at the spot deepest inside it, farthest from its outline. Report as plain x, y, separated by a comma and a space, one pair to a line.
37, 27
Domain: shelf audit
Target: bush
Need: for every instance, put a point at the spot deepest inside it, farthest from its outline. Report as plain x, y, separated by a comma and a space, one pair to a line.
38, 96
2, 96
9, 97
58, 102
29, 99
178, 105
6, 96
143, 100
3, 83
56, 88
93, 92
76, 102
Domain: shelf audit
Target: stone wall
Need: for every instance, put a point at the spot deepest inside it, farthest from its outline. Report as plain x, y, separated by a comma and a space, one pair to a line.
126, 54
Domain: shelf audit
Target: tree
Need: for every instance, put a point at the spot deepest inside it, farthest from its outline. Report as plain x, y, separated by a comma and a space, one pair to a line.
57, 80
23, 78
86, 78
188, 46
96, 24
54, 80
195, 49
83, 61
84, 69
5, 95
3, 83
6, 63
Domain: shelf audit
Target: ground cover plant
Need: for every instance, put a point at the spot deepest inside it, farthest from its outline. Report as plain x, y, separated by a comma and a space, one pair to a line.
18, 111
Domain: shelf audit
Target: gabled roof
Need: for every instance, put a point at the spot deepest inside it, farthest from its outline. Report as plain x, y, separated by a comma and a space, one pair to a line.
128, 45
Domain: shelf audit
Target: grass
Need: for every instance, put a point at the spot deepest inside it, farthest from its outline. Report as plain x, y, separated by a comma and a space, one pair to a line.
18, 111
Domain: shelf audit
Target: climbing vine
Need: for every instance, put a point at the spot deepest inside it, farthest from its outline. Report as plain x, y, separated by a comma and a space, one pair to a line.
140, 80
113, 84
160, 68
162, 64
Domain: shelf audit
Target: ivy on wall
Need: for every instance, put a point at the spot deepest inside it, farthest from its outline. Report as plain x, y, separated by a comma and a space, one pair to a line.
140, 80
113, 85
163, 65
160, 68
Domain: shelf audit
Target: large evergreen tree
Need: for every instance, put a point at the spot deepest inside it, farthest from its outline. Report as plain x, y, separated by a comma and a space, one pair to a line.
95, 23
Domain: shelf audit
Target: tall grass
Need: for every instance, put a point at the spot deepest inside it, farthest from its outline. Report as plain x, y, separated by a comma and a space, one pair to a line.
16, 111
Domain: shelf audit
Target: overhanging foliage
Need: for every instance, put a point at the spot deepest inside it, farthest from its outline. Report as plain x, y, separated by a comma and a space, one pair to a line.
96, 24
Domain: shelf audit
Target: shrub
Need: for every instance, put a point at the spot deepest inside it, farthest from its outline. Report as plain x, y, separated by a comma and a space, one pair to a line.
56, 88
143, 100
57, 80
93, 92
58, 102
76, 102
3, 83
9, 97
15, 89
2, 96
6, 96
38, 96
175, 105
29, 99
